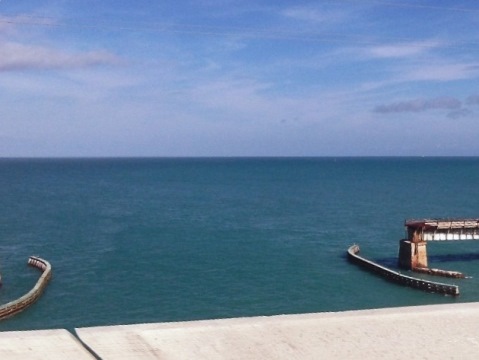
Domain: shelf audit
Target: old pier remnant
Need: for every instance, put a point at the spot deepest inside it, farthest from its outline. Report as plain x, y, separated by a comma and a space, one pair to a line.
18, 305
413, 249
413, 252
397, 277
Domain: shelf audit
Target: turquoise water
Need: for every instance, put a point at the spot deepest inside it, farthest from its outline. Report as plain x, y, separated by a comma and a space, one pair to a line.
153, 240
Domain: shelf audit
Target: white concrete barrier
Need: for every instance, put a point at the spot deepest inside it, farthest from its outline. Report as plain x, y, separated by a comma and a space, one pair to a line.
41, 345
425, 332
422, 332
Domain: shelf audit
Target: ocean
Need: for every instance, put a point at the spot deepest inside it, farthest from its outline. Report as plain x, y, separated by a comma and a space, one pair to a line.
141, 240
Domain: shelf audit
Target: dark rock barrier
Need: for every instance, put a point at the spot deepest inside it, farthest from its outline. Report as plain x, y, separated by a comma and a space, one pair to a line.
399, 278
16, 306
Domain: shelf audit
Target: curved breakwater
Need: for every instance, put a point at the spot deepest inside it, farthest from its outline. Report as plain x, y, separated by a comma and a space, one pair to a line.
399, 278
20, 304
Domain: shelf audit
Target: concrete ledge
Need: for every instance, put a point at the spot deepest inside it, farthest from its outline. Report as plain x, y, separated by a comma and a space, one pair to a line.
422, 332
41, 344
432, 332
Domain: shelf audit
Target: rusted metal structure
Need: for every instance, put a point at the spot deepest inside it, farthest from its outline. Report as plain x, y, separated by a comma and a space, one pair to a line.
413, 250
442, 230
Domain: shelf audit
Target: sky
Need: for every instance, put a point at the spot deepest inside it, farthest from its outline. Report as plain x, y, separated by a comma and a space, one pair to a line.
180, 78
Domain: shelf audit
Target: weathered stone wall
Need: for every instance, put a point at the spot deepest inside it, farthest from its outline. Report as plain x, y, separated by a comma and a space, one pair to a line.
399, 278
15, 306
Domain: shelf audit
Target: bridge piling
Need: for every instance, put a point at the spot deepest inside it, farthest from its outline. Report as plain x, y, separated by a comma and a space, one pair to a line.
412, 254
413, 250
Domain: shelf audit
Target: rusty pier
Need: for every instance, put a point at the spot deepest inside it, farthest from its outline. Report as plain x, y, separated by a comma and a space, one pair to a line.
413, 249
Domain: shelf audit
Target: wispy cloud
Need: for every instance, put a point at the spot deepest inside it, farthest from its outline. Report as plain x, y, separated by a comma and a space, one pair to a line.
442, 72
419, 105
12, 24
313, 14
21, 48
239, 95
16, 56
402, 50
322, 15
454, 107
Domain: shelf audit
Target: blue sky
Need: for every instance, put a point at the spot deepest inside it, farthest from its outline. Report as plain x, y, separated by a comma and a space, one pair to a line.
239, 78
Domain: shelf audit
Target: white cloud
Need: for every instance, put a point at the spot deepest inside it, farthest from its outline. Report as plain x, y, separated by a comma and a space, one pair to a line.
402, 50
442, 72
316, 15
